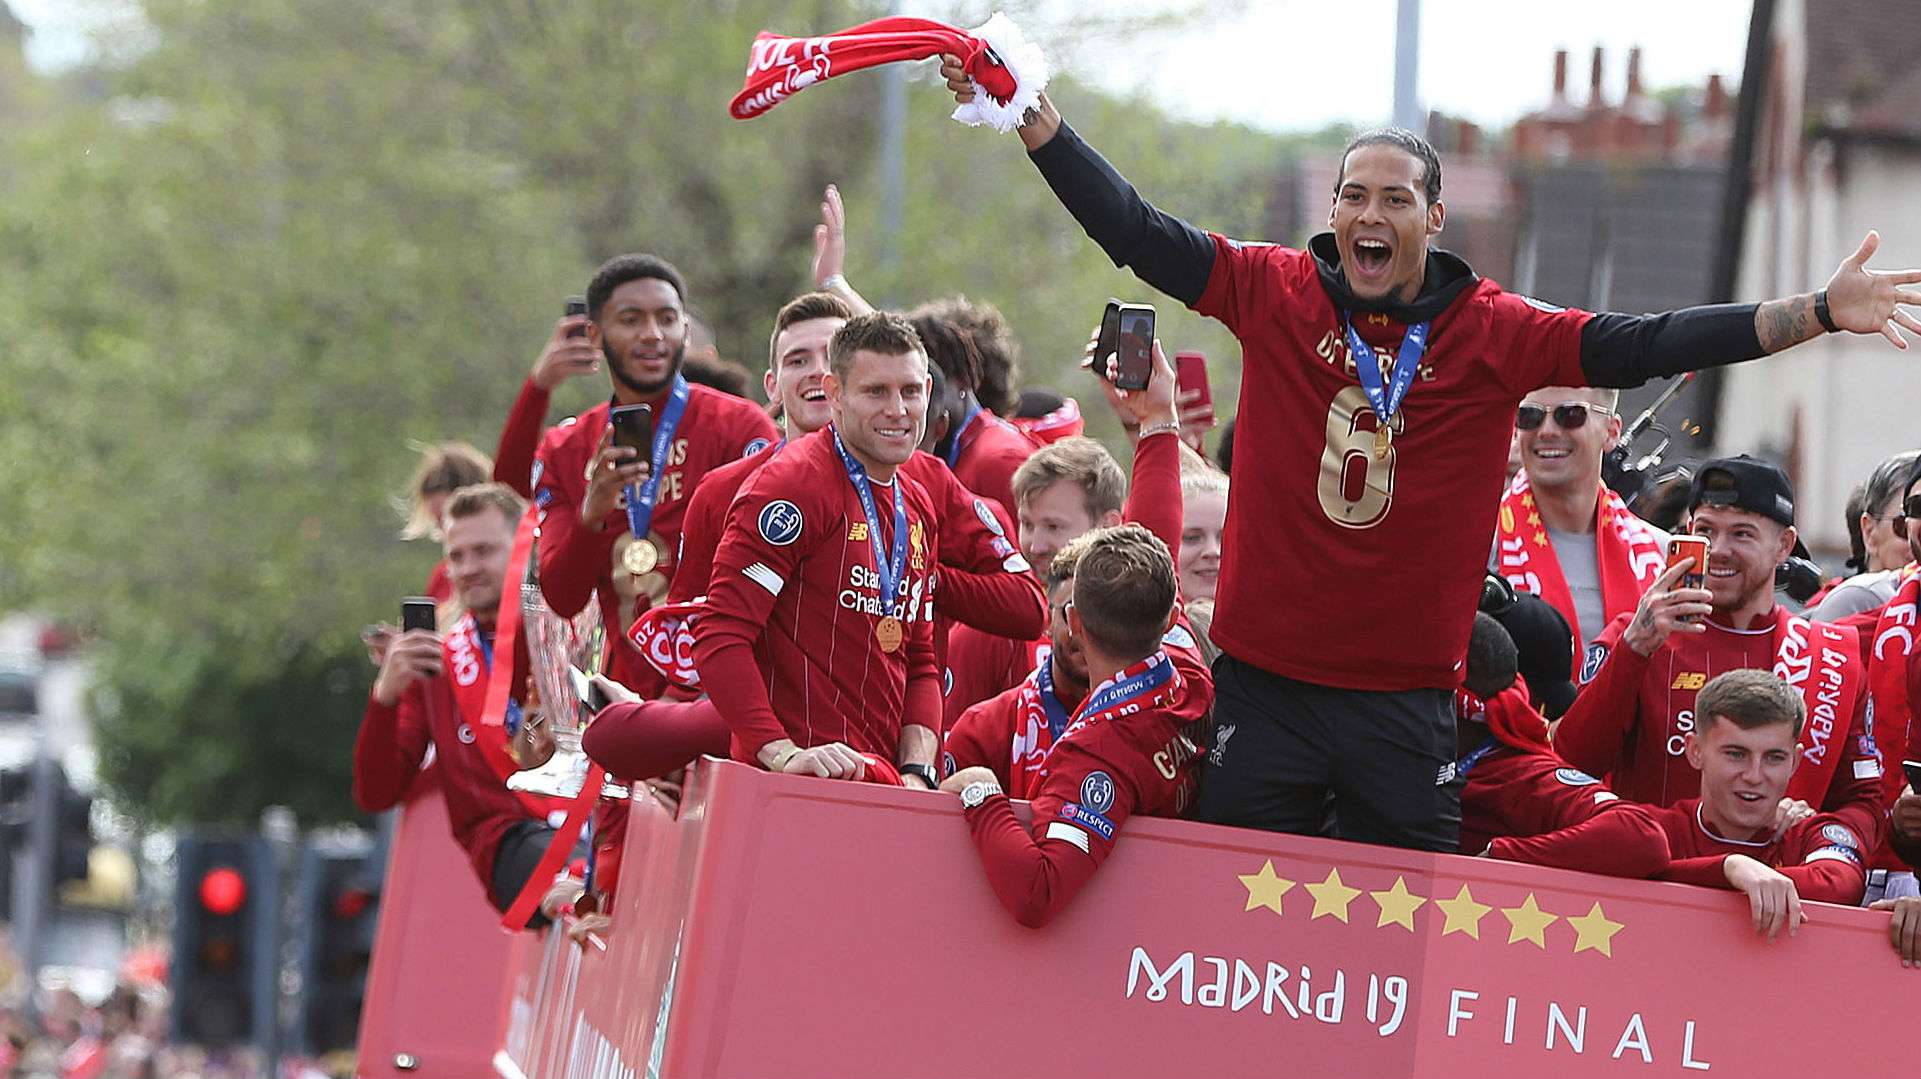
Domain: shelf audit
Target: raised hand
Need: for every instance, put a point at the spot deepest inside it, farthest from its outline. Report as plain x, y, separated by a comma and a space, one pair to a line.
1869, 301
1665, 610
568, 353
830, 238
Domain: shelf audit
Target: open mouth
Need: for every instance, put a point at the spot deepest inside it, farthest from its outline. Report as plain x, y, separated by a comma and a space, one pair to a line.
813, 396
1723, 572
1551, 453
1747, 796
1371, 256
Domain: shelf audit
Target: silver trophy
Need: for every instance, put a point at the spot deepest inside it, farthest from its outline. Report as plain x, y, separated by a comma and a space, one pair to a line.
561, 650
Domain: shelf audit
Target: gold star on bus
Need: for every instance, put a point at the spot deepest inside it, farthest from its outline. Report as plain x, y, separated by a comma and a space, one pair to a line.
1331, 896
1264, 889
1397, 905
1463, 914
1528, 922
1594, 930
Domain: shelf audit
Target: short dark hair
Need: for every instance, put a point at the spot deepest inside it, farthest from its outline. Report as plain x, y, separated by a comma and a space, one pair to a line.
994, 341
806, 307
621, 269
1749, 698
1124, 590
882, 331
724, 375
949, 348
1401, 139
1493, 659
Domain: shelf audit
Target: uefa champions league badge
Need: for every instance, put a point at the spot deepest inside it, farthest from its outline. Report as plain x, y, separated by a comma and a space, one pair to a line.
780, 522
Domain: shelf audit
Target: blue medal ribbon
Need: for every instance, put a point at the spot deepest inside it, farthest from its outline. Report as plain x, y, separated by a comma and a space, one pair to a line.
887, 570
1050, 704
954, 445
1386, 399
640, 501
486, 642
1466, 764
1156, 671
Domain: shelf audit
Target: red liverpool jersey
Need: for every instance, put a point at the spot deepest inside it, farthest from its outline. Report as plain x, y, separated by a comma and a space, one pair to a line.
1824, 855
987, 451
1142, 757
1630, 721
577, 562
787, 647
1344, 568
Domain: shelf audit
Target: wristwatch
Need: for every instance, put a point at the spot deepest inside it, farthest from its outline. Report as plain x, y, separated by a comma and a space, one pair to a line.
975, 793
924, 772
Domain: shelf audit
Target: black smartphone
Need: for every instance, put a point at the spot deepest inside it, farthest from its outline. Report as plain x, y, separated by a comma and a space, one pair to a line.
1913, 769
417, 612
576, 308
634, 427
588, 691
1127, 333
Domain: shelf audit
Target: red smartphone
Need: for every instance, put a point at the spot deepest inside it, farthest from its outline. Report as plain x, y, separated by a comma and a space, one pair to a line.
1190, 373
1695, 547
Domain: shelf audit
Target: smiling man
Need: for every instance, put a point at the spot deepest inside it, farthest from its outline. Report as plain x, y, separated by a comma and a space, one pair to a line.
1745, 752
1561, 533
817, 643
1380, 381
1632, 720
590, 543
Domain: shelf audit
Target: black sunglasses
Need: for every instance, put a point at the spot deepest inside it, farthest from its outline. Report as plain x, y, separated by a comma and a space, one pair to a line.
1909, 513
1570, 416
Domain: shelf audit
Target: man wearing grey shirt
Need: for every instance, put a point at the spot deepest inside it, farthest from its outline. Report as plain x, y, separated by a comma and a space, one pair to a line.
1562, 534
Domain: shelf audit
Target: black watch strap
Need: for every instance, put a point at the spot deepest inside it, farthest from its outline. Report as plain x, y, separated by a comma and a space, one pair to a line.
925, 772
1821, 313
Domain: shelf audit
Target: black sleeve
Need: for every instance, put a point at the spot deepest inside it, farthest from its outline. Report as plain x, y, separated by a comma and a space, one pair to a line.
1163, 250
1623, 351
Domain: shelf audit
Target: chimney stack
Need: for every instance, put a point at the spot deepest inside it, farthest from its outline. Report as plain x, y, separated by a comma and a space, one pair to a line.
1634, 71
1594, 100
1717, 103
1560, 73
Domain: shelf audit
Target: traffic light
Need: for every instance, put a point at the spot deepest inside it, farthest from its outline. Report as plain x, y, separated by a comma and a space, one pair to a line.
226, 900
340, 906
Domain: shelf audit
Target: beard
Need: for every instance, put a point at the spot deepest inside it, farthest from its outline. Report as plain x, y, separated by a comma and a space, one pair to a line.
645, 389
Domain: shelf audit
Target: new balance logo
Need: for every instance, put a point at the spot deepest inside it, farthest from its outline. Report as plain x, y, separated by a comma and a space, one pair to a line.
1689, 680
857, 532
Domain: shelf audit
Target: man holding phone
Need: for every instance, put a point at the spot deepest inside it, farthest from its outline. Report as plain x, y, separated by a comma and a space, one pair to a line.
1342, 648
610, 514
1632, 719
432, 691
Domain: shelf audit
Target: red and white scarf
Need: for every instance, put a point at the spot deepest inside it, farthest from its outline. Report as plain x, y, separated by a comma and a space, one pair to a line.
1889, 658
1007, 70
1628, 551
664, 634
1813, 659
465, 662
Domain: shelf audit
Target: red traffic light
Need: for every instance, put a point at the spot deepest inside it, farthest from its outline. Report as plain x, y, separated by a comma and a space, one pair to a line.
351, 903
223, 891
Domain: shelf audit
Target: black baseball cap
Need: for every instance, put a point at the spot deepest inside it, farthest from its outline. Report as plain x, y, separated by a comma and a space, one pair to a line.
1744, 483
1545, 647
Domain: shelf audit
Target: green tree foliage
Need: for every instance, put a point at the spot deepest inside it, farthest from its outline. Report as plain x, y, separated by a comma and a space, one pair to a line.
253, 257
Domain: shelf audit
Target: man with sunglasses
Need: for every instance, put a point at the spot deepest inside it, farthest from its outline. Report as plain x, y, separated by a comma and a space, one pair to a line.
1894, 682
1562, 534
1632, 719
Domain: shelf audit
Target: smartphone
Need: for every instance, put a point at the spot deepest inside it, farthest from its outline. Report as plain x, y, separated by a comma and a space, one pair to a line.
591, 695
1913, 769
417, 612
1127, 334
576, 308
634, 427
1695, 547
1190, 373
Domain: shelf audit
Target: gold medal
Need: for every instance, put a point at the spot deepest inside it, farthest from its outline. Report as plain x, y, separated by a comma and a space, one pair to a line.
640, 557
1383, 440
888, 632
